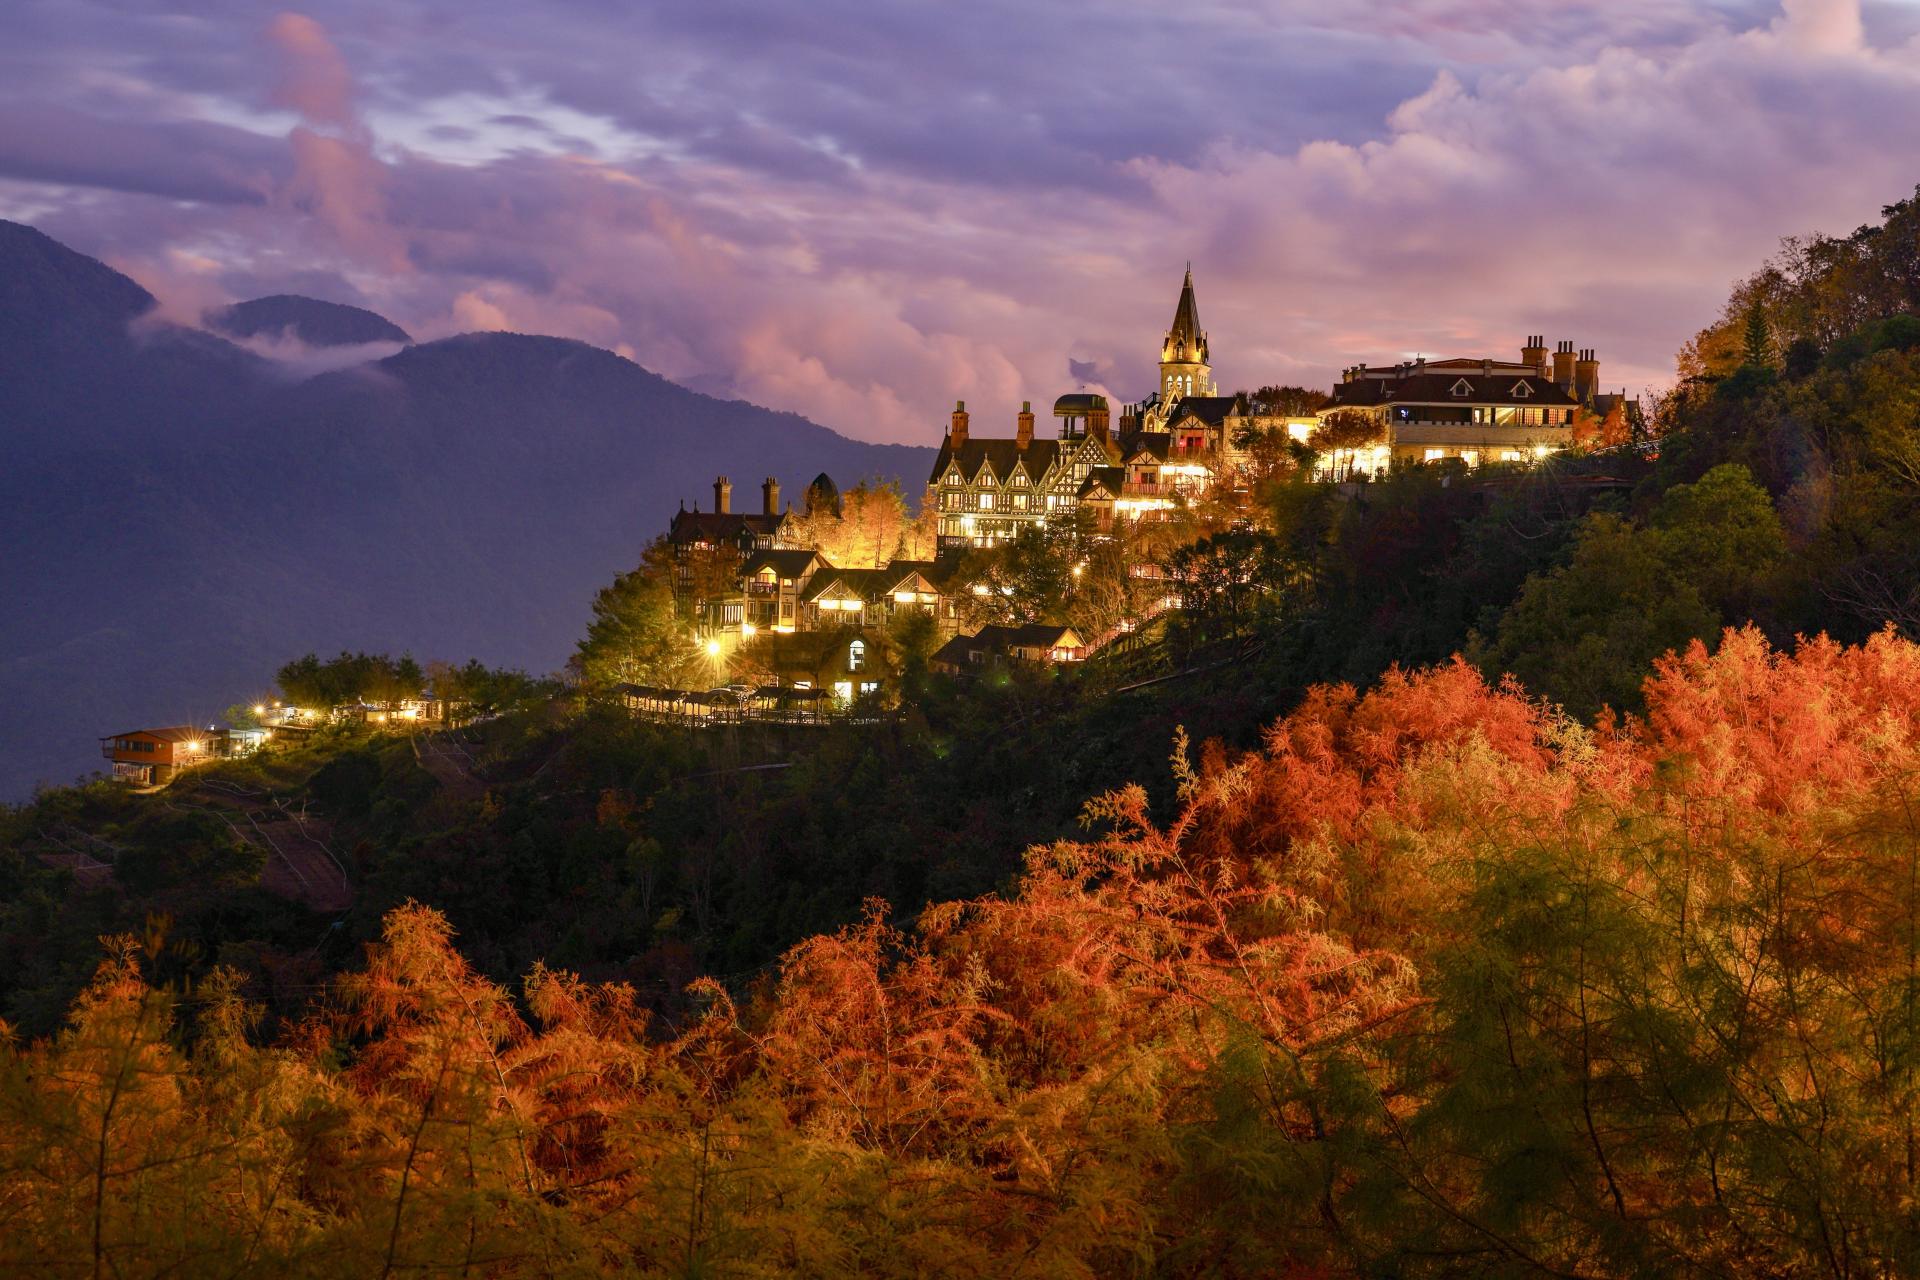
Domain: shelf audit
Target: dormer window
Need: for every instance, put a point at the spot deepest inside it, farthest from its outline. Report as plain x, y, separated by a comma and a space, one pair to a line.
986, 479
1463, 388
953, 477
1019, 479
1521, 390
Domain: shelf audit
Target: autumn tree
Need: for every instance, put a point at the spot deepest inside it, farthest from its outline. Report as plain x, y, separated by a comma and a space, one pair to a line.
1342, 434
871, 527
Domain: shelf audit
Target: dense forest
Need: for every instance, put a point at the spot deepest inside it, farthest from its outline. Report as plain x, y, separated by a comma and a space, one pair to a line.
1498, 873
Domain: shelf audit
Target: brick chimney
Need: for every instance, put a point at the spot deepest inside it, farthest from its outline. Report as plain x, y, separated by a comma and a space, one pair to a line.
1586, 376
1563, 366
770, 496
1097, 421
959, 433
1535, 353
722, 495
1023, 429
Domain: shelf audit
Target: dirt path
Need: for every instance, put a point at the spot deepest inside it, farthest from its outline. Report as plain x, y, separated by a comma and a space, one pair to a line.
300, 864
445, 756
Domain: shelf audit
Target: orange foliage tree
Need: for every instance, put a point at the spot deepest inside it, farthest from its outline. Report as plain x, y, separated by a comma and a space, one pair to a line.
1435, 982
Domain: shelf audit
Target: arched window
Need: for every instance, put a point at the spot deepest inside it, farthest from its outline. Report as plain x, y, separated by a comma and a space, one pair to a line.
856, 655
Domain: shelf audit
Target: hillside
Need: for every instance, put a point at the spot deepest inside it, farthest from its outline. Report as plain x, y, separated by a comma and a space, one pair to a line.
180, 517
309, 320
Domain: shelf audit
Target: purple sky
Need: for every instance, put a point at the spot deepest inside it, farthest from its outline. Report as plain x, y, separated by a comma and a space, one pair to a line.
861, 211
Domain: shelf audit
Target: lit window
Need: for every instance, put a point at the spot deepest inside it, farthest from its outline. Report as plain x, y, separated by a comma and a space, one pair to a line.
1434, 455
856, 655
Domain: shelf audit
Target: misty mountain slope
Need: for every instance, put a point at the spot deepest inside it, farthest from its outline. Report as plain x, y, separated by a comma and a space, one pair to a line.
180, 518
310, 320
83, 362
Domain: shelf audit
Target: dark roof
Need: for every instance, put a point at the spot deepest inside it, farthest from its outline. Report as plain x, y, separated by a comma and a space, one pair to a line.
1212, 410
864, 583
1028, 635
1001, 453
715, 526
1155, 444
1078, 404
1437, 388
172, 733
1108, 479
956, 652
786, 563
897, 571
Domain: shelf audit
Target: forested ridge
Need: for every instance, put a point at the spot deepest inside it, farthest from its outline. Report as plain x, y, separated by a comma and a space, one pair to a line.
1524, 879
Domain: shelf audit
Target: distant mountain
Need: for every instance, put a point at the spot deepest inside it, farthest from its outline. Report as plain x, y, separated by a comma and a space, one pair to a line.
179, 519
316, 323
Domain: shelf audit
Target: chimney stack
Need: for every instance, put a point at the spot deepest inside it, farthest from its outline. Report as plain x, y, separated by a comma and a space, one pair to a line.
1097, 422
1563, 366
770, 496
1586, 376
1023, 430
959, 433
1535, 353
722, 495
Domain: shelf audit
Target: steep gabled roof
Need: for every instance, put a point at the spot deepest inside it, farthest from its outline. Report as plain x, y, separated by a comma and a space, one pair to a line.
784, 563
888, 579
1105, 481
860, 583
999, 453
1212, 410
1154, 445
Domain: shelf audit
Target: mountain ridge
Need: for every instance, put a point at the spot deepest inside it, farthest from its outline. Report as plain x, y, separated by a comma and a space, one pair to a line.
185, 517
314, 322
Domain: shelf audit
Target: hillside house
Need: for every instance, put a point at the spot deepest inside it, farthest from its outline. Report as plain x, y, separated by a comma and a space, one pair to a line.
147, 757
853, 663
1031, 642
772, 584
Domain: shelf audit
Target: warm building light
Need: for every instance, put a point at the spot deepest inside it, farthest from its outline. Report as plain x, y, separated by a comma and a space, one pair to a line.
410, 713
193, 745
747, 629
259, 709
713, 648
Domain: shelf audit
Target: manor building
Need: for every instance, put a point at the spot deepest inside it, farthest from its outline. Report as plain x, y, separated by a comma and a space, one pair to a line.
1475, 411
709, 546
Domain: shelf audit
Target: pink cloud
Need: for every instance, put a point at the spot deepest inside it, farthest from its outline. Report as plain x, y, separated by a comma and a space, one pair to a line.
314, 79
1606, 183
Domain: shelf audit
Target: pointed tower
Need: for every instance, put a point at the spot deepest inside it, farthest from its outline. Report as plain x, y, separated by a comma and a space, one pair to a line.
1184, 367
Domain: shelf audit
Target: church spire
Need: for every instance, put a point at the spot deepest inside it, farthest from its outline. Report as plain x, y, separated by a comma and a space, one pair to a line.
1185, 340
1184, 363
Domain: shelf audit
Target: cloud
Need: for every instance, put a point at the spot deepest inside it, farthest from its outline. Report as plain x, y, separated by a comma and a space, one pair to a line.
863, 215
314, 80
